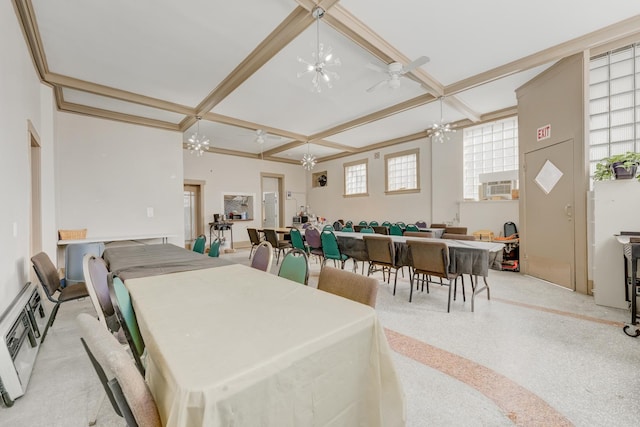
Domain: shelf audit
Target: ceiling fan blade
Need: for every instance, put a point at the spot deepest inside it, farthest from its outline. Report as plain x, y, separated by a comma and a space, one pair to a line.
375, 67
377, 85
415, 64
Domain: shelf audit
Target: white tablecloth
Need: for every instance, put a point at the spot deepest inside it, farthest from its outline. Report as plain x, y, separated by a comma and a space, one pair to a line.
235, 346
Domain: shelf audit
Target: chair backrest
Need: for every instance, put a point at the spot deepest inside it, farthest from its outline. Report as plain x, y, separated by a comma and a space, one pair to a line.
123, 309
328, 228
330, 247
95, 276
47, 273
199, 243
510, 229
295, 266
367, 230
421, 234
296, 239
381, 229
349, 224
401, 224
386, 224
363, 223
272, 236
312, 236
263, 257
380, 249
254, 237
455, 230
125, 387
411, 227
349, 285
346, 229
73, 260
436, 225
429, 257
337, 226
395, 230
214, 249
421, 224
458, 236
373, 223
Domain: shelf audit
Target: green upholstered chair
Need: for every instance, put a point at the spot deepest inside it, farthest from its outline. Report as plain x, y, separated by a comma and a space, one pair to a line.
373, 224
348, 224
297, 241
121, 301
363, 223
295, 266
367, 230
386, 224
330, 249
347, 229
199, 243
328, 227
395, 230
411, 227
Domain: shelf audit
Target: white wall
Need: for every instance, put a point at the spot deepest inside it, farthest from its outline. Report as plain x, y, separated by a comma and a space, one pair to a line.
488, 215
109, 173
240, 175
20, 101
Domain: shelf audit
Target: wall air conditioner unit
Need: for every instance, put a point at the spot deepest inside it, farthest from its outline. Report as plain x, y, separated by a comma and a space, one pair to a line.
498, 185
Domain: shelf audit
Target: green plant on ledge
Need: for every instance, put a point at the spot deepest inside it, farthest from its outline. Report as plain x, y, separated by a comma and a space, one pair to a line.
605, 168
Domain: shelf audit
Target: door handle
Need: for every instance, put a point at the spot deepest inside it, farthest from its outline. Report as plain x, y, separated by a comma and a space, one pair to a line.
568, 211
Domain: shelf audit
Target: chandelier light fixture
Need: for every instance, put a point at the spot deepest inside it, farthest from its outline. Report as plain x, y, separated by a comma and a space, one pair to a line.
440, 130
321, 60
308, 160
198, 143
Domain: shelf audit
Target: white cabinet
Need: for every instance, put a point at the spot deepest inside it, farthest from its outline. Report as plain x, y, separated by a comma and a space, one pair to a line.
616, 209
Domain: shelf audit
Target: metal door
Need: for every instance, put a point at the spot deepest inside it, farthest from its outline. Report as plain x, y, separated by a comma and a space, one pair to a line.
549, 251
270, 209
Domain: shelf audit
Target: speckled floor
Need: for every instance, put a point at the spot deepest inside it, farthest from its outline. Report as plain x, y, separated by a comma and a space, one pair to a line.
534, 355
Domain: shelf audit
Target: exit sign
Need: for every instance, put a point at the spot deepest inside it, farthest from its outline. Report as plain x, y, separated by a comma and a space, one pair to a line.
544, 132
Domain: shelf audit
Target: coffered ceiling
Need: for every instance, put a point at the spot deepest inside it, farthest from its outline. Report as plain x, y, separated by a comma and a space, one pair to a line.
163, 63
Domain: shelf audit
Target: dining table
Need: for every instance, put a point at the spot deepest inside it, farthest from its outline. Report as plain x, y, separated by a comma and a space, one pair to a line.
470, 257
236, 346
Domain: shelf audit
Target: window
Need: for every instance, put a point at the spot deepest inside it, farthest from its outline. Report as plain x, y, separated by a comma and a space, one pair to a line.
614, 104
491, 147
355, 178
402, 172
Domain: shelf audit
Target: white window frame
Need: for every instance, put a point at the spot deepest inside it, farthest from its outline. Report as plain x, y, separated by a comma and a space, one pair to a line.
489, 147
348, 175
415, 172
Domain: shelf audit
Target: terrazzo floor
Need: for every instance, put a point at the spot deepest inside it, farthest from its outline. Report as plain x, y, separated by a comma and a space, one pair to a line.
534, 355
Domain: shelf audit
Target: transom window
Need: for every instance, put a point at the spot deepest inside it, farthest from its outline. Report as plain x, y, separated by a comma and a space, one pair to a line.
402, 171
614, 104
490, 147
355, 178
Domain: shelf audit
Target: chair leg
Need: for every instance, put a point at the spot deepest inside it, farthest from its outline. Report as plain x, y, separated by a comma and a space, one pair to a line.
52, 318
449, 299
411, 277
93, 418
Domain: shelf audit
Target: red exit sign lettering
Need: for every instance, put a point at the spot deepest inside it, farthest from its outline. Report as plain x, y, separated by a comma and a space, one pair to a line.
544, 132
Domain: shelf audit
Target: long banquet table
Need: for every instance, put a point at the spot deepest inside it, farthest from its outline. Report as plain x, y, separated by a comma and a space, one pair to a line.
237, 346
150, 260
465, 256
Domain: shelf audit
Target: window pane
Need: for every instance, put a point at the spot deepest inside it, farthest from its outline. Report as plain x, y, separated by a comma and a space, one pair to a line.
402, 172
496, 151
355, 179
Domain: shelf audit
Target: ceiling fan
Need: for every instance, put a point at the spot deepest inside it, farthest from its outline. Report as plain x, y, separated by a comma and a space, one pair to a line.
262, 136
394, 71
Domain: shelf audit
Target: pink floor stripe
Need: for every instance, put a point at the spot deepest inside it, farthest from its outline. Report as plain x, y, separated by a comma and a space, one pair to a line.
520, 405
560, 312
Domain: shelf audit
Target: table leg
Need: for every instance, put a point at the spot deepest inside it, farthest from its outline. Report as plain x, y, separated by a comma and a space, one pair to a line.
477, 291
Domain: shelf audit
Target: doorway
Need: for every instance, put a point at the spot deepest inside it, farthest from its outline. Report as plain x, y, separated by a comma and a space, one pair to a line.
272, 188
549, 249
36, 192
193, 213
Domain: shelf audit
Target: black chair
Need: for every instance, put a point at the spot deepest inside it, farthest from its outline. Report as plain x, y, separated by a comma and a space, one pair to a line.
254, 237
279, 246
50, 280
